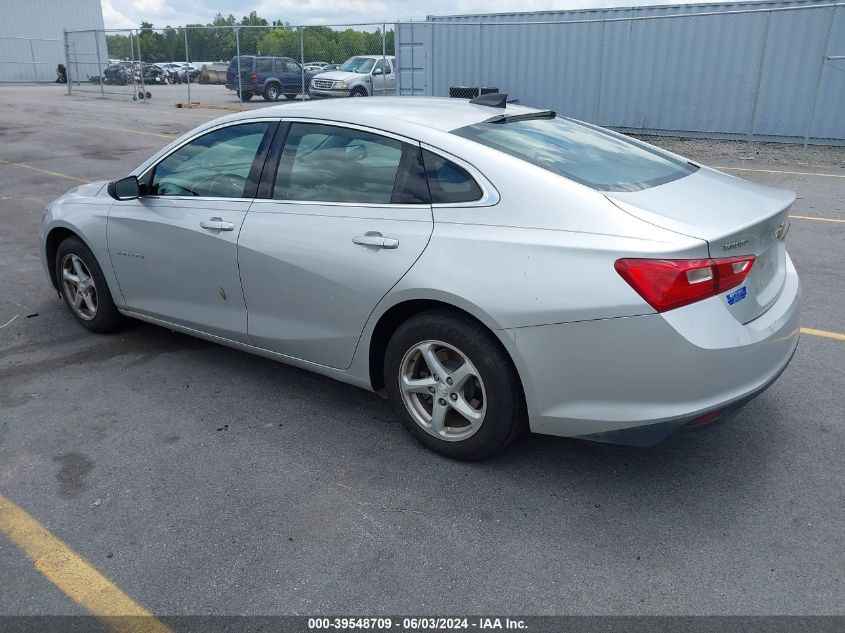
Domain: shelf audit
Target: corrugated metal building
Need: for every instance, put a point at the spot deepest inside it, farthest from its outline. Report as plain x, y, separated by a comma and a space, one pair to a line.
773, 70
31, 35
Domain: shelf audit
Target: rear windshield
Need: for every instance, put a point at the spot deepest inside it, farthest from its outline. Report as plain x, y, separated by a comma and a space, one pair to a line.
583, 153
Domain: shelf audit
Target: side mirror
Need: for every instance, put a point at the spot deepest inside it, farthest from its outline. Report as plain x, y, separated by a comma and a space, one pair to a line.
378, 71
125, 188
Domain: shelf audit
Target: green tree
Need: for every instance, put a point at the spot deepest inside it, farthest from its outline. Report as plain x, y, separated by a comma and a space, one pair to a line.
150, 44
319, 43
249, 36
280, 42
118, 46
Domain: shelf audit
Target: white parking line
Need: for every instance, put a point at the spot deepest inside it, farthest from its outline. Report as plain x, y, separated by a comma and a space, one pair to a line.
777, 171
816, 218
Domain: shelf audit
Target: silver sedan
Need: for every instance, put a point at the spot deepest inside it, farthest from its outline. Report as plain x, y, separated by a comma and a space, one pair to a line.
490, 268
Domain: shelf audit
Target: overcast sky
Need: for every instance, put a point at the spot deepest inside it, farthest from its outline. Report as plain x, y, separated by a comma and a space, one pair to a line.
129, 13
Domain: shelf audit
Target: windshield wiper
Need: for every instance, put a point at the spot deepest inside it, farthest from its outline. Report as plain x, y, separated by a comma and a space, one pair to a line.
528, 116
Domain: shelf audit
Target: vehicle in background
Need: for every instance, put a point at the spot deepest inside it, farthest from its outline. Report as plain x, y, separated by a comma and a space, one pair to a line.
315, 67
269, 77
153, 74
359, 76
118, 74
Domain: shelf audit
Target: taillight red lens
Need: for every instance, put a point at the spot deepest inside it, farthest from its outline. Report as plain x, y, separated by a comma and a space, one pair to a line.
667, 284
732, 271
705, 419
253, 78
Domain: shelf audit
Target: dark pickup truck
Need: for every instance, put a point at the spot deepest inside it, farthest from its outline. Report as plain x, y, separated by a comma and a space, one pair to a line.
270, 77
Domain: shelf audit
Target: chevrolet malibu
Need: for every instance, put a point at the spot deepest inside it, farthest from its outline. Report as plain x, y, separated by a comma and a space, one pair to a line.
490, 268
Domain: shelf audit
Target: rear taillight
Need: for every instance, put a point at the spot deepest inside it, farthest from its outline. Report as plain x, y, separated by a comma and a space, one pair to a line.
253, 78
667, 284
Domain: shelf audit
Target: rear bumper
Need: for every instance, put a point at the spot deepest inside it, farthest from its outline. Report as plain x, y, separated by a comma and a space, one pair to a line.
652, 434
253, 88
638, 380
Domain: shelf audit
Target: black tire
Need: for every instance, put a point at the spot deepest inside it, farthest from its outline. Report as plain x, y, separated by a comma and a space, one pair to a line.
505, 418
245, 96
106, 318
290, 97
271, 92
359, 92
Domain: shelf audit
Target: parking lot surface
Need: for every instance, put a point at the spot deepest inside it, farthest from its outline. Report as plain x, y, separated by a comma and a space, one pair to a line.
202, 480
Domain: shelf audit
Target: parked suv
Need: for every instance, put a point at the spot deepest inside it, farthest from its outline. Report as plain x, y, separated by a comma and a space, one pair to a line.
359, 76
269, 77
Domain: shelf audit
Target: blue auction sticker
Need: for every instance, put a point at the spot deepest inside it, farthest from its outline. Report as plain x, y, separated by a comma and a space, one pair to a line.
736, 296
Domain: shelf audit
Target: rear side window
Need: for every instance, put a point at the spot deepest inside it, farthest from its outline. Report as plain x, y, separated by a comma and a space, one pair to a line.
246, 63
586, 154
448, 182
264, 65
323, 163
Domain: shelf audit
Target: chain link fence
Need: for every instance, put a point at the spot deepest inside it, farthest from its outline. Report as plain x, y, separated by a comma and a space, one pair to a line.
773, 73
228, 66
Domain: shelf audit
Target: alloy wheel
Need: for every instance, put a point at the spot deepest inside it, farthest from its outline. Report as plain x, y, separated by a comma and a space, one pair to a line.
442, 390
79, 287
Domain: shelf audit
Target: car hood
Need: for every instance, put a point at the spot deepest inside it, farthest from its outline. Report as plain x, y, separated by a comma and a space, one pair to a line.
85, 191
339, 75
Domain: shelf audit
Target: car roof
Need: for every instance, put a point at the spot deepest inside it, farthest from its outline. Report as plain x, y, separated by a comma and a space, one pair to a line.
424, 119
397, 114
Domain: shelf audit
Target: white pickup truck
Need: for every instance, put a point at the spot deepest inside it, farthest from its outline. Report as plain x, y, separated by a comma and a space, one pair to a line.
359, 76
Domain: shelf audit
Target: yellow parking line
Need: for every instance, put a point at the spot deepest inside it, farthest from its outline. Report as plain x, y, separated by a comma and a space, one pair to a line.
833, 335
131, 131
818, 219
74, 575
777, 171
51, 173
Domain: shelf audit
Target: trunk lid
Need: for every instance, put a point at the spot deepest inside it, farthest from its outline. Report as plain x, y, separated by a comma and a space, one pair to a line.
734, 217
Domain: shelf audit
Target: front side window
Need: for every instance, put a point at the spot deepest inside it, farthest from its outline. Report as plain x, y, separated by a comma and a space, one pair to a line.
215, 165
323, 163
583, 153
448, 182
383, 65
293, 67
361, 65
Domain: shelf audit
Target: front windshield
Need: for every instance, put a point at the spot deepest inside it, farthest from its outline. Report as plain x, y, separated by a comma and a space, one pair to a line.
361, 65
584, 153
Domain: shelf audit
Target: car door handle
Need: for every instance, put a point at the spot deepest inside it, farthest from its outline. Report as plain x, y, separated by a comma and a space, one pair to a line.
374, 238
217, 224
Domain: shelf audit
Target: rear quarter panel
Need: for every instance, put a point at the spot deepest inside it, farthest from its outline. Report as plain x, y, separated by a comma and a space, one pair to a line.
543, 254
